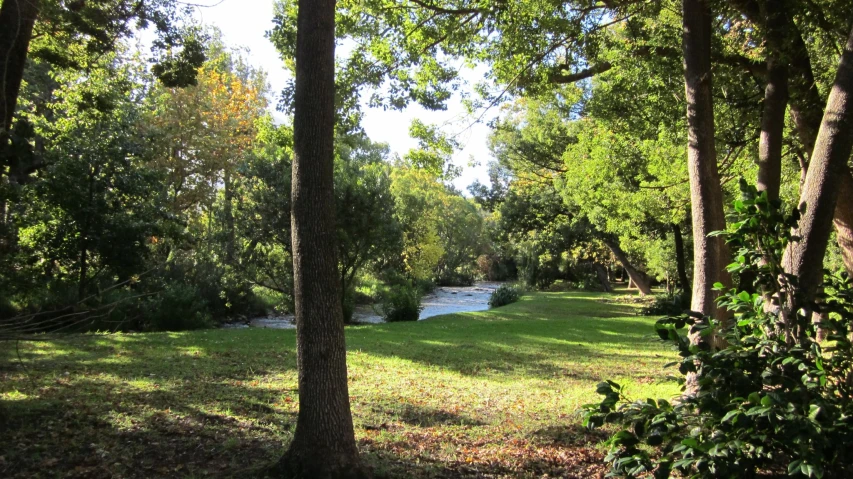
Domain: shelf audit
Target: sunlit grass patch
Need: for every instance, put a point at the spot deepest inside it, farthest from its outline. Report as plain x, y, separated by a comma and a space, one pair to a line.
494, 392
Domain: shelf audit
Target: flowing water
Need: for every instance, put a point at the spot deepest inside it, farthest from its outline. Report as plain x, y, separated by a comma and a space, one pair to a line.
444, 300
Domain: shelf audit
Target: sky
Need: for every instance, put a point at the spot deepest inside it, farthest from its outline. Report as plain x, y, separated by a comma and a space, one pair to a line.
244, 23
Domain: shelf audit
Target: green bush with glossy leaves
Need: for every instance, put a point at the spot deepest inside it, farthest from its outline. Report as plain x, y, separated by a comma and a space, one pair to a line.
774, 399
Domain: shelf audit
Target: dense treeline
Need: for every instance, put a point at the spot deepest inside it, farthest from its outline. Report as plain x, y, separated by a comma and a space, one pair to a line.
147, 205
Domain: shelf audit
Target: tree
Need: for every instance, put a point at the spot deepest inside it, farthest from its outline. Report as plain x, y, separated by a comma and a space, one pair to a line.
324, 441
710, 253
819, 194
98, 188
17, 20
368, 230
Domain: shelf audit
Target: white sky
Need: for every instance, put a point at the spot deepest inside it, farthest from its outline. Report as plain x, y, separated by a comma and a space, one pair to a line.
243, 24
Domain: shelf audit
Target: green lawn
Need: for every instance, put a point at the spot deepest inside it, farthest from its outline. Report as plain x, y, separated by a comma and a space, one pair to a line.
489, 394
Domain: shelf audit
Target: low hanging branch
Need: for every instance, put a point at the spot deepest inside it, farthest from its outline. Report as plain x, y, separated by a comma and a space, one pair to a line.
562, 78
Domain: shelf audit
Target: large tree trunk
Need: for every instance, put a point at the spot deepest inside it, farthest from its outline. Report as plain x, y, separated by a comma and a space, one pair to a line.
324, 442
807, 113
636, 277
680, 259
710, 254
16, 30
820, 191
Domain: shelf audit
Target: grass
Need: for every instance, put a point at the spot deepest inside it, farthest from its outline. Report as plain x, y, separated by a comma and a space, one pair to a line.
487, 394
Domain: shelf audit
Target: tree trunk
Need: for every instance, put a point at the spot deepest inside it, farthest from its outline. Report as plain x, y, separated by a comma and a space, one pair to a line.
710, 254
84, 270
772, 128
636, 277
818, 197
680, 259
843, 220
806, 111
602, 278
324, 442
17, 19
230, 237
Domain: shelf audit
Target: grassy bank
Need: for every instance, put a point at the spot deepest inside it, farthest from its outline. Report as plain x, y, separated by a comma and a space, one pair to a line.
489, 394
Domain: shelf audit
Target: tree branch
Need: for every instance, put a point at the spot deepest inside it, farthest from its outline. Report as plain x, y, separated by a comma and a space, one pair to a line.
562, 78
448, 11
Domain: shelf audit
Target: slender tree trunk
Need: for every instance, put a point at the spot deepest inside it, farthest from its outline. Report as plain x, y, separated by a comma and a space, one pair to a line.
819, 195
228, 212
680, 259
772, 128
84, 270
843, 220
324, 442
636, 277
710, 254
82, 283
17, 19
775, 101
602, 278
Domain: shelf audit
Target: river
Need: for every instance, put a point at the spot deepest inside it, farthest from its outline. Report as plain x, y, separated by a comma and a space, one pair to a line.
443, 300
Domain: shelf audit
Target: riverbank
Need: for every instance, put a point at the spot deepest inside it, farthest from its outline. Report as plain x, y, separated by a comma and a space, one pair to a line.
443, 300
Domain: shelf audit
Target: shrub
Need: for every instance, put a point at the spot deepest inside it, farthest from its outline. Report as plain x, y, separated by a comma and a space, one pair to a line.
505, 294
666, 304
179, 307
772, 399
401, 303
455, 278
348, 304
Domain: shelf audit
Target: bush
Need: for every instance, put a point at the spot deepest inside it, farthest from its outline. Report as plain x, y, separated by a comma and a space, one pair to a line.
666, 304
505, 294
401, 303
348, 304
179, 307
455, 278
491, 267
772, 399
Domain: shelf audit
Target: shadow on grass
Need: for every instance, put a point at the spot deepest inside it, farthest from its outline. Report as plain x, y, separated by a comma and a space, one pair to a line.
426, 417
190, 405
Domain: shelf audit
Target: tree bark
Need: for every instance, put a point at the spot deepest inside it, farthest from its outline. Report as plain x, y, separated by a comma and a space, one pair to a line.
710, 253
636, 277
806, 111
772, 129
820, 191
680, 259
843, 220
228, 212
602, 278
324, 442
17, 19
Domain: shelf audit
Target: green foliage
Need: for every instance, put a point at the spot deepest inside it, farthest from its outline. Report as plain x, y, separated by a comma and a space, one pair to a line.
774, 397
179, 307
370, 235
434, 153
443, 232
401, 302
492, 267
667, 304
505, 294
